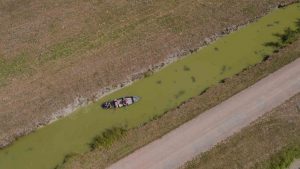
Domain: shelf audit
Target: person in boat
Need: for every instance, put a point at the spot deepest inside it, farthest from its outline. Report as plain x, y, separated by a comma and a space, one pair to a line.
124, 102
108, 105
116, 102
120, 102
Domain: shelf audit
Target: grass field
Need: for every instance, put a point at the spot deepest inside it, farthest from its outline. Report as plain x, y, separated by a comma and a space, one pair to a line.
160, 92
135, 138
52, 53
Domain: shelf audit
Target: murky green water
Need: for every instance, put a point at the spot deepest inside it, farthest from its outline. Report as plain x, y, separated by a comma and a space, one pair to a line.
46, 147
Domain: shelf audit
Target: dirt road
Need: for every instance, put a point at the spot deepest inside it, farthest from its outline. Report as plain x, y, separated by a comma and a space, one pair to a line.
216, 124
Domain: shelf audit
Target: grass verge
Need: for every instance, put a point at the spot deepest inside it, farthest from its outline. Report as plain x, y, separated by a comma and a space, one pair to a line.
284, 158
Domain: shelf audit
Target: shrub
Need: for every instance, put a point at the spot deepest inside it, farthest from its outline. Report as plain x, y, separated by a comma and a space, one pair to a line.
222, 81
148, 73
159, 82
107, 138
186, 68
283, 159
66, 158
193, 79
266, 57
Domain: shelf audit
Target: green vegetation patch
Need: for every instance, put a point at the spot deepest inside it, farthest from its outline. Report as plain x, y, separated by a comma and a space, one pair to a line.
284, 158
64, 49
159, 82
15, 66
20, 64
193, 79
107, 138
148, 73
67, 157
186, 68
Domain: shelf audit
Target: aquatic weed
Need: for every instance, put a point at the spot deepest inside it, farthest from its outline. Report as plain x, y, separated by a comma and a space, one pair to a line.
186, 68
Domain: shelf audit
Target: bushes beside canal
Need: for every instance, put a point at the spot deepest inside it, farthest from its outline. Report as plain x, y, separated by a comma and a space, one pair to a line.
107, 138
284, 158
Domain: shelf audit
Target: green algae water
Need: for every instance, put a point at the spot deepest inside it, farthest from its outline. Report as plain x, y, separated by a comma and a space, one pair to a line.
47, 147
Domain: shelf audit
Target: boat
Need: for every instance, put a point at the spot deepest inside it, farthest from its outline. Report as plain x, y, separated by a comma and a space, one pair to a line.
120, 102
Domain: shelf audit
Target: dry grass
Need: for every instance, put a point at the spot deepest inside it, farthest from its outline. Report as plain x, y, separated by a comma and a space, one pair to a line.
135, 138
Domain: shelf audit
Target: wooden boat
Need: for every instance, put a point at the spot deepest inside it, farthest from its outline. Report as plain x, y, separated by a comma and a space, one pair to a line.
120, 102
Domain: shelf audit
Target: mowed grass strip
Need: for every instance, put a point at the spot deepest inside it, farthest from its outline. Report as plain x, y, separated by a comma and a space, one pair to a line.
160, 125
